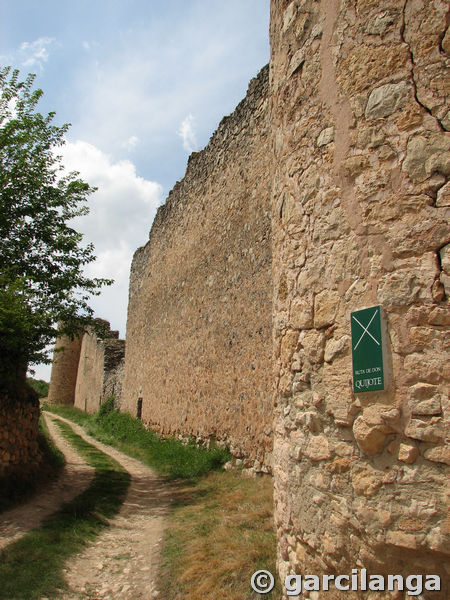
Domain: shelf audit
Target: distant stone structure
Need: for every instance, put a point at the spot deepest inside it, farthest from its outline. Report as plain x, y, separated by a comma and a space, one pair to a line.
199, 331
88, 370
63, 378
99, 368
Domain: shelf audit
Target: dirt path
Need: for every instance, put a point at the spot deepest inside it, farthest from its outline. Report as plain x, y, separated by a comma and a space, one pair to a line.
122, 564
75, 477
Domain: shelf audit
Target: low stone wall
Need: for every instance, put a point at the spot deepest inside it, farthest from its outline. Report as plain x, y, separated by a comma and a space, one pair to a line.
19, 452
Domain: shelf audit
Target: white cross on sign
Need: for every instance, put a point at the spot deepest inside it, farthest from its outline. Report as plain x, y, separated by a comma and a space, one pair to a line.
366, 329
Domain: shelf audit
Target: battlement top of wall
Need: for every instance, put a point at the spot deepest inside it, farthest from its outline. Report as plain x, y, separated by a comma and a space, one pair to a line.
102, 330
200, 163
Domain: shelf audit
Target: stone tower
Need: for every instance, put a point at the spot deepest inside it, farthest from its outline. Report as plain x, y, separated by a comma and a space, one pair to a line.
361, 160
64, 370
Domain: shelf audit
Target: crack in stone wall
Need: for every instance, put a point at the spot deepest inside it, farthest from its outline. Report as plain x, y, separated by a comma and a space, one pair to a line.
348, 144
413, 79
429, 51
359, 479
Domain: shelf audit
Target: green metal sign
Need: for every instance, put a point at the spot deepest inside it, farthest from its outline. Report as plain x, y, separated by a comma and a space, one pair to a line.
367, 350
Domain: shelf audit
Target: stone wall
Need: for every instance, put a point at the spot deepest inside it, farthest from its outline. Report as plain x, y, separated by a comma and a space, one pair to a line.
64, 370
113, 378
99, 369
360, 218
199, 316
19, 416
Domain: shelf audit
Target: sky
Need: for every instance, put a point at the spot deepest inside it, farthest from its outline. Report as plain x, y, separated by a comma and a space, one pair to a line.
143, 84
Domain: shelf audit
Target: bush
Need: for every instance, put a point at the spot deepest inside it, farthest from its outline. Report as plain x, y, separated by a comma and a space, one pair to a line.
39, 385
105, 408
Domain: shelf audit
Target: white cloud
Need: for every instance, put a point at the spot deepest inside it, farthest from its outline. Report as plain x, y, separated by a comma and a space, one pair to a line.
187, 134
153, 81
11, 109
90, 46
121, 214
35, 53
131, 143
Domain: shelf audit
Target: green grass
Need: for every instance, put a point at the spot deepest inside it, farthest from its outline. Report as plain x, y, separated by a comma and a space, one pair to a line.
220, 532
168, 456
32, 567
220, 529
54, 456
18, 488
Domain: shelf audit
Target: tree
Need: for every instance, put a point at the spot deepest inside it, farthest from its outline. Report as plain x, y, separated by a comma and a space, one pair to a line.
39, 385
42, 283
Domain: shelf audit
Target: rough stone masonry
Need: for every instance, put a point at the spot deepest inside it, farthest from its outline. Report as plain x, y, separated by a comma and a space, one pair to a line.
199, 349
88, 369
100, 368
359, 115
19, 448
63, 378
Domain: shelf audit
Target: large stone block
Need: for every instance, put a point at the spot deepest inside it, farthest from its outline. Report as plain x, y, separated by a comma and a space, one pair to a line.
386, 99
363, 153
326, 305
425, 156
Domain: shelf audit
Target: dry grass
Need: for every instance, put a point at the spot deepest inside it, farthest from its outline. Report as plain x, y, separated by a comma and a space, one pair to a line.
220, 532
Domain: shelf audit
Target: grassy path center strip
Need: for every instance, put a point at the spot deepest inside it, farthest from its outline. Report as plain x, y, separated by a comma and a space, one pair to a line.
167, 455
33, 566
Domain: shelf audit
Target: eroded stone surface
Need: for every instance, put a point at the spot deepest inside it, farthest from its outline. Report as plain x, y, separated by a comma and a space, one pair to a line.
64, 370
100, 369
349, 144
199, 340
388, 98
408, 453
425, 156
20, 454
369, 215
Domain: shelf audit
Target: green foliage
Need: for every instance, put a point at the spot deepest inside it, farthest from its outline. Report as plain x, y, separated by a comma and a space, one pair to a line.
105, 408
69, 412
39, 385
41, 256
169, 456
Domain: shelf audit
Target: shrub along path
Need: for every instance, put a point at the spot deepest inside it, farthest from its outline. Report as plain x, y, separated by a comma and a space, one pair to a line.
123, 561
